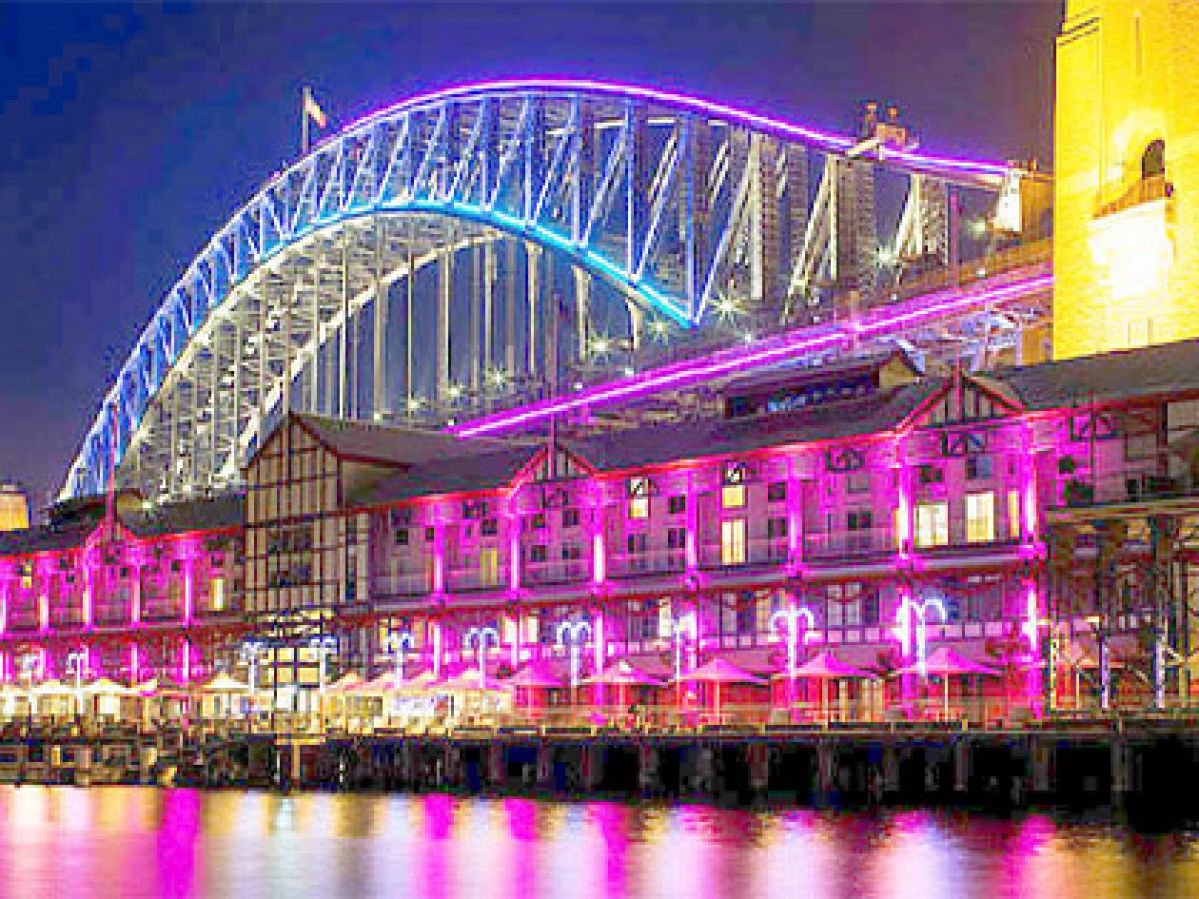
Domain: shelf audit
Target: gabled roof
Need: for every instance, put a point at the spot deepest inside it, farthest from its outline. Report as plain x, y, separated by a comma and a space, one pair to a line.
461, 474
877, 412
208, 514
384, 444
1129, 374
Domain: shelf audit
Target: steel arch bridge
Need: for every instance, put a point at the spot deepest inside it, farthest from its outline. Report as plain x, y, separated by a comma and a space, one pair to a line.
465, 251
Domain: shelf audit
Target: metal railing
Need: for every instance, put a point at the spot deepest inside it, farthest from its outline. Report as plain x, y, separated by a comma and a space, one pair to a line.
558, 571
754, 554
659, 561
461, 580
849, 544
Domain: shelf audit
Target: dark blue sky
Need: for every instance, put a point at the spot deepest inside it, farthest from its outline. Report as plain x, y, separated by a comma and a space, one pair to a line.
128, 135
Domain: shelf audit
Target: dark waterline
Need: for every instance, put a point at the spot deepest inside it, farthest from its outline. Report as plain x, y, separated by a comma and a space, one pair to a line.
132, 841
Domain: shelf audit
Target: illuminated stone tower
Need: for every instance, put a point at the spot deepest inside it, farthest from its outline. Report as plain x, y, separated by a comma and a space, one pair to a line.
1126, 197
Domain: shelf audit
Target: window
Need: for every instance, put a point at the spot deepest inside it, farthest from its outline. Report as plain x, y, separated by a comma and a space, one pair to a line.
571, 552
1153, 160
980, 517
932, 524
401, 537
216, 589
639, 493
539, 521
732, 489
489, 565
570, 518
489, 527
732, 541
676, 538
776, 492
978, 468
1140, 447
538, 553
861, 520
676, 505
857, 482
637, 544
732, 496
430, 534
930, 474
776, 528
1013, 513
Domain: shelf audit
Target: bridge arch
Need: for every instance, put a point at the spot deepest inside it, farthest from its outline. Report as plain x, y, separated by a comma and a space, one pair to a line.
606, 211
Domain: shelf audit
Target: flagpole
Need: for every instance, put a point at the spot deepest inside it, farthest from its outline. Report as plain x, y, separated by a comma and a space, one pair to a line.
304, 100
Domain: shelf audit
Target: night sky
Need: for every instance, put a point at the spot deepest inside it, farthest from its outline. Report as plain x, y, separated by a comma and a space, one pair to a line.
127, 136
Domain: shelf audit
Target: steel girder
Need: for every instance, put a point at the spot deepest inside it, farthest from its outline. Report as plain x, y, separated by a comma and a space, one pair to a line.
669, 201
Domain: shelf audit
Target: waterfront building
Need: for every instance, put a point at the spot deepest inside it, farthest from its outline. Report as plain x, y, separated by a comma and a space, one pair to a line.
1036, 521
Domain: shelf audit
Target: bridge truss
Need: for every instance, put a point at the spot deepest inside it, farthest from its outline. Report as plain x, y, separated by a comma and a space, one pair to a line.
487, 247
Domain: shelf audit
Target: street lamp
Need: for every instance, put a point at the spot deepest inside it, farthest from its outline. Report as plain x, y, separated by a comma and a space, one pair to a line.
478, 638
249, 653
76, 664
794, 623
399, 645
572, 635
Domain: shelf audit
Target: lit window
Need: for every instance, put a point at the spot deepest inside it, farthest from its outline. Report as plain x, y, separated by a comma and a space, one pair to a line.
1013, 513
732, 485
639, 493
732, 542
932, 524
980, 517
217, 591
489, 565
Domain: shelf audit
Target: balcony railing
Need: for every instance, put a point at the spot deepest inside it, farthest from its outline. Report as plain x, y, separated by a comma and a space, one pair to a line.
464, 580
849, 544
647, 564
755, 554
403, 583
22, 621
1122, 487
566, 571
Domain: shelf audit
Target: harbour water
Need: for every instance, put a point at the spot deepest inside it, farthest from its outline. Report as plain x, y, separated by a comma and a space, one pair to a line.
137, 841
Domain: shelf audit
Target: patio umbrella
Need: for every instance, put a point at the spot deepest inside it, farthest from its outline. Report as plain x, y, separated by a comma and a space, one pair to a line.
106, 687
223, 683
535, 676
625, 674
719, 672
347, 682
945, 662
825, 667
469, 680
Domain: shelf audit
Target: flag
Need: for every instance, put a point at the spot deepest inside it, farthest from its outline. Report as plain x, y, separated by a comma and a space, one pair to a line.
312, 109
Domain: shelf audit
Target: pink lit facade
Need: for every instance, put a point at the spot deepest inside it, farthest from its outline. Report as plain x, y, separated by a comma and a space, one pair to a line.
1016, 520
139, 603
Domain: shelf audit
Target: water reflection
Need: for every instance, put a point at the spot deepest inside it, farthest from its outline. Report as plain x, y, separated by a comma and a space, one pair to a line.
140, 842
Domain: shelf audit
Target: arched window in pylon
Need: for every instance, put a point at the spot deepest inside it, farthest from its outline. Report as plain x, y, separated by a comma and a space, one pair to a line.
1153, 160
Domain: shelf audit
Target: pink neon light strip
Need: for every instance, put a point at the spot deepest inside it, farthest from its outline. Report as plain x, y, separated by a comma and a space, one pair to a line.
948, 166
695, 371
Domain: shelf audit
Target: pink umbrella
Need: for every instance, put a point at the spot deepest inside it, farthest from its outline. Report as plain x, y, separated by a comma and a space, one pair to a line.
535, 676
719, 672
945, 662
624, 674
825, 667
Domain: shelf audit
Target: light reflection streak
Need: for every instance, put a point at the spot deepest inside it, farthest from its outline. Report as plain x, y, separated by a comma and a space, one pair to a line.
119, 841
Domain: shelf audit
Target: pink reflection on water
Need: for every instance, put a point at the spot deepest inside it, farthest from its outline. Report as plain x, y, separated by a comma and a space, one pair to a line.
178, 835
